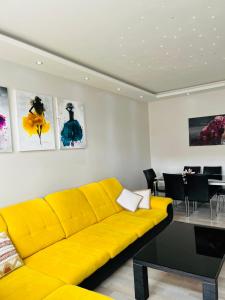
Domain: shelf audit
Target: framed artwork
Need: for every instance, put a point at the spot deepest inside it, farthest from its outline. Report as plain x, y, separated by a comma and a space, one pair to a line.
207, 130
5, 128
35, 121
72, 133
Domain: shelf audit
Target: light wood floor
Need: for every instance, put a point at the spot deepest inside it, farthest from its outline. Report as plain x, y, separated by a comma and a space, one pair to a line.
165, 286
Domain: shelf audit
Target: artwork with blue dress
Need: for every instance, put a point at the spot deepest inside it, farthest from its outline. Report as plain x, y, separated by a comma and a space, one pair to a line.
71, 124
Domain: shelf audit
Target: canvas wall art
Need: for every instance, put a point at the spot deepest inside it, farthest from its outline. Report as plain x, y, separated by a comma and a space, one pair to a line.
71, 122
5, 130
35, 121
208, 130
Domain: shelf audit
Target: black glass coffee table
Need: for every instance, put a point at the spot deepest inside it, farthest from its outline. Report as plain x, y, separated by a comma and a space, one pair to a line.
187, 249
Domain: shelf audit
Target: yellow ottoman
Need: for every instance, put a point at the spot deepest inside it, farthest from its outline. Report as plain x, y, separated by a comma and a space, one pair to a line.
71, 292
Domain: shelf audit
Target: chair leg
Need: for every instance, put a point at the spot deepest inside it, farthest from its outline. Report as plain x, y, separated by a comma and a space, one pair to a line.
187, 207
211, 209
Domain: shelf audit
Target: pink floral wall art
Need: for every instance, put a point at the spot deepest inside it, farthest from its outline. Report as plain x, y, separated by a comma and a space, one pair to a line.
5, 130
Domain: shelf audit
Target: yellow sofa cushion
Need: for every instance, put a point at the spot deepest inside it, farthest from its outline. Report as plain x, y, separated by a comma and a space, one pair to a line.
160, 202
100, 236
27, 284
72, 209
126, 224
32, 226
156, 215
69, 292
98, 199
113, 188
69, 262
3, 226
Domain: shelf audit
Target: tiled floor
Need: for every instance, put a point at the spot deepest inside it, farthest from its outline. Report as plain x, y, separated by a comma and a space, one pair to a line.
164, 286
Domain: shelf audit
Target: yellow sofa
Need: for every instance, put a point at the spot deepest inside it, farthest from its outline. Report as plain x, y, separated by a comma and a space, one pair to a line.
67, 236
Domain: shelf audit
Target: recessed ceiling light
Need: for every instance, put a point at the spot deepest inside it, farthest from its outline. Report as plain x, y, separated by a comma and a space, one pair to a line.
129, 28
188, 94
121, 45
157, 28
39, 62
213, 17
124, 55
200, 35
190, 45
214, 44
138, 64
215, 29
142, 17
193, 29
209, 7
165, 36
191, 56
201, 49
175, 37
141, 96
218, 36
194, 18
143, 41
167, 53
205, 63
179, 29
118, 89
161, 46
122, 37
86, 78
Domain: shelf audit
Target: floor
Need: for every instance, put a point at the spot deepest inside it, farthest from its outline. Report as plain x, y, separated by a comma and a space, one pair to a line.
161, 285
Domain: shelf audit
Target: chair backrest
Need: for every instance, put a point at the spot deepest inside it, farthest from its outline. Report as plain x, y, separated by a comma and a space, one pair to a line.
150, 177
198, 188
196, 169
174, 186
213, 172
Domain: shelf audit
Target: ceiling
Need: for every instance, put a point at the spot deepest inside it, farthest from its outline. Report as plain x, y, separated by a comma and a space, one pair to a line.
154, 45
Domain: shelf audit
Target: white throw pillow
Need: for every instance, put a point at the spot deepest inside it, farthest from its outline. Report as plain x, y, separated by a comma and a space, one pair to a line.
10, 259
145, 202
129, 200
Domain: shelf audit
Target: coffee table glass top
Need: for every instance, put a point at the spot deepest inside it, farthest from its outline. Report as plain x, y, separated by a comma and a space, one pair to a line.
193, 249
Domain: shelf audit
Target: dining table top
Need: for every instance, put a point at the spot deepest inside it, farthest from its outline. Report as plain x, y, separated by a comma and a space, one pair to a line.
220, 182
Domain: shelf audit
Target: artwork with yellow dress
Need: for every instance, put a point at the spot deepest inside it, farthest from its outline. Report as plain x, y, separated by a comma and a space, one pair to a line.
35, 121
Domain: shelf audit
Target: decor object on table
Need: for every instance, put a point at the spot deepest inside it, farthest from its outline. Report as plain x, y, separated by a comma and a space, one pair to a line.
5, 130
71, 124
207, 130
145, 201
129, 200
35, 121
10, 259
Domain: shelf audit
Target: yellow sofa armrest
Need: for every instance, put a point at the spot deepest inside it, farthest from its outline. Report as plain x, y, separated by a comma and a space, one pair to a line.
160, 202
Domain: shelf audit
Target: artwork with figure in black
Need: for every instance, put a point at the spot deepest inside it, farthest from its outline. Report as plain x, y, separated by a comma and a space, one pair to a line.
72, 129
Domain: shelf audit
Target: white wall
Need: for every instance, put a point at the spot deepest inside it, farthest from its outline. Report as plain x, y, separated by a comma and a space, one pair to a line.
169, 137
117, 136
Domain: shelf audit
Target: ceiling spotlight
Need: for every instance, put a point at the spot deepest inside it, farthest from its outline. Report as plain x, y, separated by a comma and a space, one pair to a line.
193, 29
86, 78
213, 17
188, 94
118, 89
141, 96
39, 62
194, 18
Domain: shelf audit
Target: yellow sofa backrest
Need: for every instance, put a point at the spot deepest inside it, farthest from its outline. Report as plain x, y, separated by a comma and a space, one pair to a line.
72, 209
113, 189
98, 199
32, 226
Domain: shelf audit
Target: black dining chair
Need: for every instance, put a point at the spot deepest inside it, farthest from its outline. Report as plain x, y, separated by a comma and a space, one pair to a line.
198, 190
152, 183
196, 169
175, 189
213, 172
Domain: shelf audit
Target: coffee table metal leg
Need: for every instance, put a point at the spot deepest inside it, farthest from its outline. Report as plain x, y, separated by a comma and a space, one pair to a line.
210, 291
140, 282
